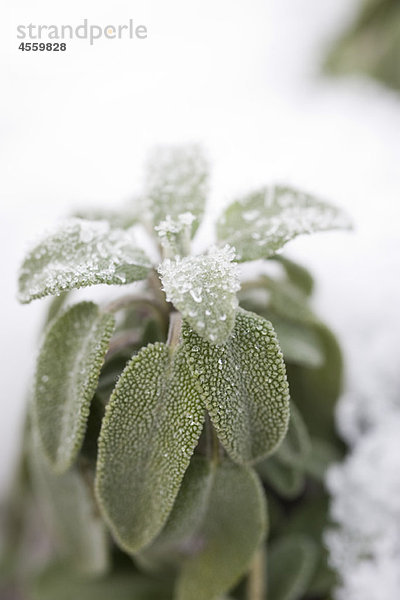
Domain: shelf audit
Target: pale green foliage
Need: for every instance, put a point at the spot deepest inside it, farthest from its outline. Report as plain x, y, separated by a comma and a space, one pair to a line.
296, 447
122, 218
175, 234
67, 372
204, 289
299, 343
152, 424
291, 564
233, 528
244, 387
176, 183
177, 538
79, 254
66, 503
260, 224
58, 583
287, 481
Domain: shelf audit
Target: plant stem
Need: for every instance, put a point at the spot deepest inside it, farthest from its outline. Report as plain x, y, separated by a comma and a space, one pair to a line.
175, 327
256, 581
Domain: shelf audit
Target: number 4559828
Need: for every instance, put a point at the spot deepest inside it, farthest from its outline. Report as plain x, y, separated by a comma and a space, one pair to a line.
41, 46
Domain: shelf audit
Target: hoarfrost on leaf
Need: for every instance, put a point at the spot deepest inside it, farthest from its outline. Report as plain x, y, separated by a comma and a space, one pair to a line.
81, 253
176, 183
152, 425
67, 373
175, 234
244, 386
260, 224
204, 289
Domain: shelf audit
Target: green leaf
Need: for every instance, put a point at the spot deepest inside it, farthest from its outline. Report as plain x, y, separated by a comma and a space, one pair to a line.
79, 254
297, 274
244, 387
175, 541
296, 447
176, 183
152, 424
68, 508
122, 218
203, 288
291, 564
67, 373
287, 481
322, 455
233, 528
298, 342
58, 583
260, 224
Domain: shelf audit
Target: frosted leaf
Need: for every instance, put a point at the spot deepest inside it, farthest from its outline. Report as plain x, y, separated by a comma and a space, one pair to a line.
78, 254
175, 234
244, 386
178, 538
176, 183
152, 424
203, 288
291, 563
68, 509
260, 224
122, 218
67, 373
232, 530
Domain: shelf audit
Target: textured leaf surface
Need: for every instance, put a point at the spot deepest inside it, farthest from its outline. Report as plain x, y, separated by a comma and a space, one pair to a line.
68, 509
244, 387
79, 254
67, 373
290, 565
57, 583
176, 182
233, 528
152, 424
177, 538
261, 223
204, 289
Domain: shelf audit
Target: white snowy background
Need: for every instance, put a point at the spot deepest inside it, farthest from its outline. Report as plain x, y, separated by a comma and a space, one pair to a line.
242, 78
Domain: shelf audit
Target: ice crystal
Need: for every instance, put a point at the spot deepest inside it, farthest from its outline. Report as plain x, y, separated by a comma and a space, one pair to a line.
176, 182
175, 233
81, 253
204, 289
260, 224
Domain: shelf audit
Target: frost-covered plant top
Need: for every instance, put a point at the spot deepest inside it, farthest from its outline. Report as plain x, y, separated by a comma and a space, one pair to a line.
159, 423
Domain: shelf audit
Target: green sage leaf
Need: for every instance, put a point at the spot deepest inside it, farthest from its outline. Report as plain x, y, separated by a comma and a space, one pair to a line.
233, 528
286, 480
244, 387
260, 224
296, 447
291, 564
176, 183
297, 274
79, 254
152, 424
67, 373
299, 342
203, 288
69, 511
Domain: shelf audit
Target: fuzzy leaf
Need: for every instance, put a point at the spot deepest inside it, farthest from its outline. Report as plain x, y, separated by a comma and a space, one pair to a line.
152, 424
176, 183
203, 288
176, 539
287, 481
79, 254
58, 583
291, 564
67, 373
68, 509
233, 528
261, 223
244, 386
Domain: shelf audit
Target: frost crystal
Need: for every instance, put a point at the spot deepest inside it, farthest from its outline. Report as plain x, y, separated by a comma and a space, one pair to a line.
204, 289
176, 182
175, 233
261, 223
81, 253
